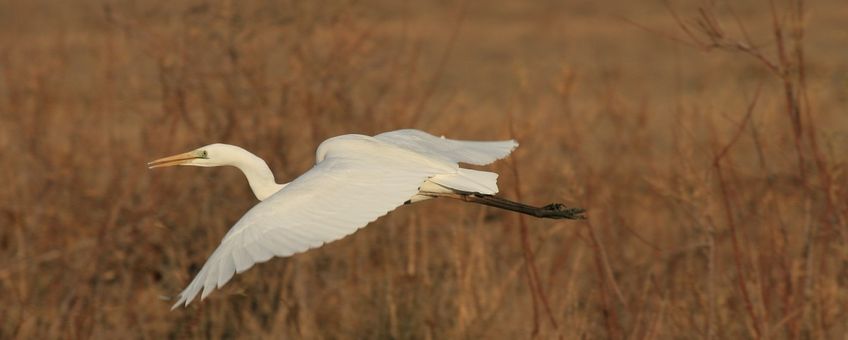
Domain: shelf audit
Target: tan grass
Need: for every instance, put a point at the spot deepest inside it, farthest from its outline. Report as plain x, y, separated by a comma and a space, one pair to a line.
706, 140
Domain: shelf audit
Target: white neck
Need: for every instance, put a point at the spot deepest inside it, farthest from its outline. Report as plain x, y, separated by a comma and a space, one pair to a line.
258, 174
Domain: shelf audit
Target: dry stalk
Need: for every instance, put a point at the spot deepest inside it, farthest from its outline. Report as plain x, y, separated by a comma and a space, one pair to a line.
535, 282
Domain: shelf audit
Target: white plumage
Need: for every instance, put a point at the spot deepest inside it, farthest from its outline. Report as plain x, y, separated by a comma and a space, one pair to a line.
356, 180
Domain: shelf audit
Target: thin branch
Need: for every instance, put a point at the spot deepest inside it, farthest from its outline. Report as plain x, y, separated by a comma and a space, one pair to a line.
659, 33
529, 258
737, 252
440, 68
684, 27
749, 112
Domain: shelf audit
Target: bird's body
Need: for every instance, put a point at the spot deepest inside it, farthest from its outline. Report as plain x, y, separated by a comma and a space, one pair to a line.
356, 179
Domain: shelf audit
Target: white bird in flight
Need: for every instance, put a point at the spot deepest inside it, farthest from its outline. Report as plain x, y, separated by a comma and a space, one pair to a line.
355, 180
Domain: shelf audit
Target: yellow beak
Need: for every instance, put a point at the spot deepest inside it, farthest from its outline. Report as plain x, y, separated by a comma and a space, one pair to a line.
173, 160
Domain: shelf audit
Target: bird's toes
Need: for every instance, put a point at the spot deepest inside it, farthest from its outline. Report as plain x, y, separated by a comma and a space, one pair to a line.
555, 207
576, 213
576, 210
563, 211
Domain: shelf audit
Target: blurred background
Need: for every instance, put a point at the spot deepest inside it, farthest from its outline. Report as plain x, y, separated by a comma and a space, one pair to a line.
706, 139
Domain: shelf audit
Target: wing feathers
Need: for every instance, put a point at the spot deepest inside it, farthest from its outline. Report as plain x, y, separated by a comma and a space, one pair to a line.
257, 251
227, 268
242, 259
339, 195
210, 282
458, 151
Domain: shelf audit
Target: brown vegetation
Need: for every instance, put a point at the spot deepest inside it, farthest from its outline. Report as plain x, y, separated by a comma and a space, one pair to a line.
706, 140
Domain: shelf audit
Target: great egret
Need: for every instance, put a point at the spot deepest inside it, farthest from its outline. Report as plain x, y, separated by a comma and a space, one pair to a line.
355, 180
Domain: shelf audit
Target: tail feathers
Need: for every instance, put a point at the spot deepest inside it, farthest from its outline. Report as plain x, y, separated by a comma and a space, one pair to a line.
468, 180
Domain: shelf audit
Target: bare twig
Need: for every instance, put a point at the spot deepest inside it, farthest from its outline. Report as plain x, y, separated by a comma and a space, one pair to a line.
728, 208
529, 258
431, 88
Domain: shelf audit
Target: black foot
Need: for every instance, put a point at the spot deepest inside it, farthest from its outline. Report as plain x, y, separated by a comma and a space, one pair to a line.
560, 211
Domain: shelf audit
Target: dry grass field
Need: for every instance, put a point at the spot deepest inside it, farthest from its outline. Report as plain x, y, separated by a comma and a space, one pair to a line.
706, 139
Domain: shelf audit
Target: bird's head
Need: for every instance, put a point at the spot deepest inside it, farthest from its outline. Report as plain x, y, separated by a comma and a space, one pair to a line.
207, 156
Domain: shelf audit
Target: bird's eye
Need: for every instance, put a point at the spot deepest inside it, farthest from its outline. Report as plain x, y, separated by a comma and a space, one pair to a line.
204, 154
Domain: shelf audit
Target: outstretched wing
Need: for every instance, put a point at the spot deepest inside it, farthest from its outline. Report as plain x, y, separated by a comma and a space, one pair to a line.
456, 151
341, 194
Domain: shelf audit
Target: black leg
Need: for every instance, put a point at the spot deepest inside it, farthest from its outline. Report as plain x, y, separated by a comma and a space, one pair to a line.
554, 210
